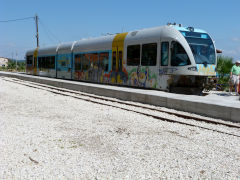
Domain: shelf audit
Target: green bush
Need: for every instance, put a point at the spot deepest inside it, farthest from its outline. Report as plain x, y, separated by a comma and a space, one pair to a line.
12, 66
21, 66
224, 65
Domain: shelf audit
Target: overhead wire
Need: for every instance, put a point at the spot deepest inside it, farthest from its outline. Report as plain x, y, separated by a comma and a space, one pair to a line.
19, 19
50, 35
53, 38
10, 50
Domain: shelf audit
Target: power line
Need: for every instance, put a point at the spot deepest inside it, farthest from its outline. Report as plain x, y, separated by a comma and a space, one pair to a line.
49, 33
20, 19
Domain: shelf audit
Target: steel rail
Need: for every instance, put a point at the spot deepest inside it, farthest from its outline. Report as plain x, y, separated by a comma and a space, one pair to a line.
126, 109
140, 106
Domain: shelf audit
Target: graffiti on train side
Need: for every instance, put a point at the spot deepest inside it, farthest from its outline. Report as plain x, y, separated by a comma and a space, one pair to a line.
92, 74
99, 75
119, 77
142, 77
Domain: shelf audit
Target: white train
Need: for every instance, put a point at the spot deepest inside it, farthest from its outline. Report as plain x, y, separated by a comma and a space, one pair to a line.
169, 58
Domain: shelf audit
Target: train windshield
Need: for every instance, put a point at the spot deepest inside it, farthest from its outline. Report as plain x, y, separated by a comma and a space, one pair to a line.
202, 47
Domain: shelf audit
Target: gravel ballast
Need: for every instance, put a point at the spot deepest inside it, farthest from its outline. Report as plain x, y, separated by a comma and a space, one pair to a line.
49, 136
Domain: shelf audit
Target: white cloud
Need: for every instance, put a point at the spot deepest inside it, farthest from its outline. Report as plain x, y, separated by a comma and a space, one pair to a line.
236, 39
235, 53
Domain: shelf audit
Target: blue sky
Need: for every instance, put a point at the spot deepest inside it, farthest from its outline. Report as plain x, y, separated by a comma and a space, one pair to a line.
70, 20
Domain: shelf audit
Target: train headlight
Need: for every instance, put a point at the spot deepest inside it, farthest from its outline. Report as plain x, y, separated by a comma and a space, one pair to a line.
194, 68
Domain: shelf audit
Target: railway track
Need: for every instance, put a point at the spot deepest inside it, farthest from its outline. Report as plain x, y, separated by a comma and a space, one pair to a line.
133, 107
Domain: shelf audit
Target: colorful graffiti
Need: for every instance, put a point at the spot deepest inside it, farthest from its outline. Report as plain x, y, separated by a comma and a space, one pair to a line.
95, 75
142, 77
119, 77
208, 70
99, 75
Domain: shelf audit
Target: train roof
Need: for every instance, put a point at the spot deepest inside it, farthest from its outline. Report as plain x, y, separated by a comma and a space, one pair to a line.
30, 52
180, 28
65, 47
105, 42
47, 50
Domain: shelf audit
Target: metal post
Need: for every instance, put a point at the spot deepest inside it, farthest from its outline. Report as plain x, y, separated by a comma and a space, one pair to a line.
12, 56
16, 60
37, 36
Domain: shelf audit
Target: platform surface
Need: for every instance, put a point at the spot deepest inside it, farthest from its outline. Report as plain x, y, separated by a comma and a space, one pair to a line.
216, 104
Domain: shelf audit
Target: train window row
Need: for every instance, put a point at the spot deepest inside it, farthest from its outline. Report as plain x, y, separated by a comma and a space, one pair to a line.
99, 61
148, 54
47, 62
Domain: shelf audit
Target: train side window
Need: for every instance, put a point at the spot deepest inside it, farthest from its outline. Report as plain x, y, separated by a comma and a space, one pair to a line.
77, 62
52, 62
95, 61
40, 63
164, 53
29, 60
133, 55
114, 61
103, 61
85, 62
64, 60
149, 54
63, 63
179, 56
48, 61
43, 62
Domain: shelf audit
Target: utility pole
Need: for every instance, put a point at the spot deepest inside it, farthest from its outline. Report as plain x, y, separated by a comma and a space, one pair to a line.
12, 56
37, 36
16, 60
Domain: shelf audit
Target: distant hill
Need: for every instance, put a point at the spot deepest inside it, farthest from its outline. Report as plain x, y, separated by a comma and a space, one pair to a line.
17, 60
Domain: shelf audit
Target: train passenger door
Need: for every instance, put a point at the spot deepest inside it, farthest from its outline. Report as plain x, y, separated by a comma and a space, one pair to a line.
35, 56
114, 67
92, 71
148, 71
133, 63
64, 66
120, 63
118, 76
117, 66
164, 65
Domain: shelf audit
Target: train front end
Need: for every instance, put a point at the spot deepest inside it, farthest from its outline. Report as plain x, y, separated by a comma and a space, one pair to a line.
203, 51
197, 59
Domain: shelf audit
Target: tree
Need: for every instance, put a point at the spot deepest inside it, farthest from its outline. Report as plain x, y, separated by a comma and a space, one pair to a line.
21, 66
224, 65
12, 65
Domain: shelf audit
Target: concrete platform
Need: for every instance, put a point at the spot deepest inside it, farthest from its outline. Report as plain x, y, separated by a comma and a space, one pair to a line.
203, 105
